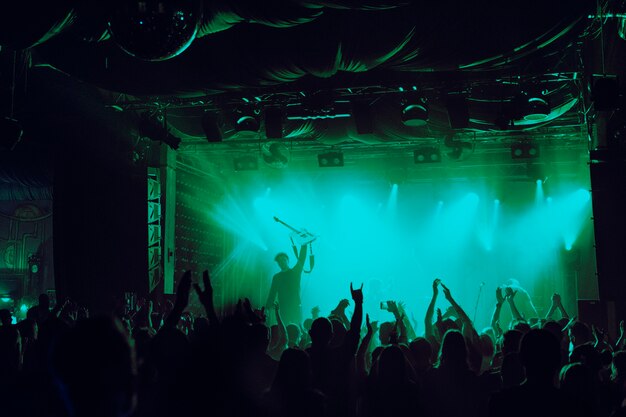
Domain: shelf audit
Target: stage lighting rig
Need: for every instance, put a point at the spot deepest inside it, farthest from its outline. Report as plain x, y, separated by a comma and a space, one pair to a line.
427, 154
524, 150
330, 159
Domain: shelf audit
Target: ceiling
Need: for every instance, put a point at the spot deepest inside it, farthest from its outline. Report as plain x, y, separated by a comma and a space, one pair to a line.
315, 71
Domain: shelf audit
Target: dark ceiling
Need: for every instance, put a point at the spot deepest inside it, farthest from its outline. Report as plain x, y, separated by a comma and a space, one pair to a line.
299, 66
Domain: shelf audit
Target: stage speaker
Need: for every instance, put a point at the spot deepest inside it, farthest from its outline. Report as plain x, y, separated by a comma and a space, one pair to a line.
362, 115
605, 92
598, 313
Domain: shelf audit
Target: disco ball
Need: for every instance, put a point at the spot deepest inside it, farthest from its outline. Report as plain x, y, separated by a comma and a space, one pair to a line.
275, 154
154, 30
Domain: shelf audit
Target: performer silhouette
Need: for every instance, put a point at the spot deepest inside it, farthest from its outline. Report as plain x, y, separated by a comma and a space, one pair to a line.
286, 285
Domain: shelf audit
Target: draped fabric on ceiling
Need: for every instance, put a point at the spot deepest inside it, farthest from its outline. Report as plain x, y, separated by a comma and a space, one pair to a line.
247, 44
274, 46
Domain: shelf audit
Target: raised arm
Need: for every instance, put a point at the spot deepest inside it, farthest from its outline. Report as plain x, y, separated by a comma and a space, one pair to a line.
510, 295
271, 297
430, 311
182, 299
354, 334
553, 307
560, 306
400, 325
206, 298
495, 318
468, 327
619, 345
301, 258
361, 365
281, 340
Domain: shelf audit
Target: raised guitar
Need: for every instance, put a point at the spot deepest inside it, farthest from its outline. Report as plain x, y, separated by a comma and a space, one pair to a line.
301, 236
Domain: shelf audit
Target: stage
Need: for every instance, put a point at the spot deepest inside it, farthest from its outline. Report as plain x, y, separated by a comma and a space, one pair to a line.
394, 225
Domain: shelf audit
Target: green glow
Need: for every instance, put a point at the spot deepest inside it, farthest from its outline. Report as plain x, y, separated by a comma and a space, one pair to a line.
23, 308
5, 299
395, 237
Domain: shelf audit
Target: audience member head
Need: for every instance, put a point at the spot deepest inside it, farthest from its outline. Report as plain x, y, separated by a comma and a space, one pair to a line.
512, 370
28, 329
169, 350
94, 369
541, 356
522, 326
10, 351
307, 324
445, 325
554, 328
321, 332
453, 353
376, 355
385, 332
579, 333
258, 338
486, 346
44, 302
575, 380
391, 366
422, 353
587, 355
511, 341
293, 334
5, 317
294, 371
618, 367
339, 333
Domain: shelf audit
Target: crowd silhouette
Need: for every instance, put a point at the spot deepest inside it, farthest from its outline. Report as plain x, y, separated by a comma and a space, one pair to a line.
164, 361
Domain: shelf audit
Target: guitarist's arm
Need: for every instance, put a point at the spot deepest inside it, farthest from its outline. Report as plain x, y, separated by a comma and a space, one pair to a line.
301, 258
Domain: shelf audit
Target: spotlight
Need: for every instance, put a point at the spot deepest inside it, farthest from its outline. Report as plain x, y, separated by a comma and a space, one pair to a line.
246, 163
330, 159
427, 154
531, 106
524, 150
274, 122
211, 127
605, 92
537, 109
414, 112
246, 119
458, 111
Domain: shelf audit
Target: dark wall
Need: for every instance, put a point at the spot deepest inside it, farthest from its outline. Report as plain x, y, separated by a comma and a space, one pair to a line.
608, 176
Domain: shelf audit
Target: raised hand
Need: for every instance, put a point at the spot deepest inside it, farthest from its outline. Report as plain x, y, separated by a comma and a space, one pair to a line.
392, 307
276, 307
206, 296
446, 292
357, 295
556, 299
510, 293
436, 283
499, 296
343, 304
184, 287
621, 327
